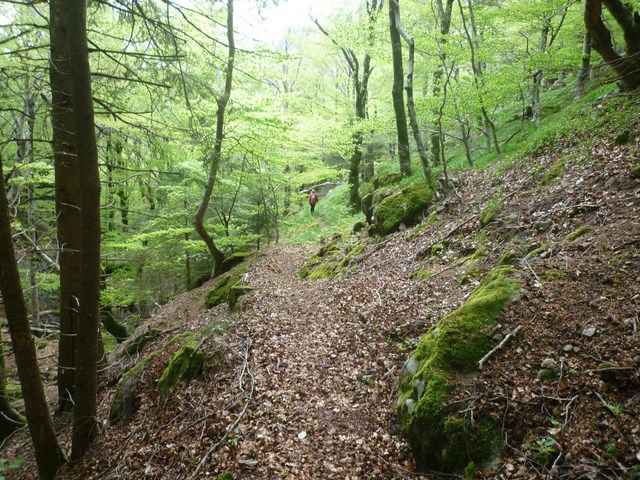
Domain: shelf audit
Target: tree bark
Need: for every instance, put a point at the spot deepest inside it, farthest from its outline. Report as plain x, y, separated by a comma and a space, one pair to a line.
10, 420
85, 423
222, 102
49, 456
397, 91
477, 73
67, 192
411, 107
585, 66
444, 17
628, 66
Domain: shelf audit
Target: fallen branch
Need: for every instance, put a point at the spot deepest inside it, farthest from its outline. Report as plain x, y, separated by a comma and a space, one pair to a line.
498, 347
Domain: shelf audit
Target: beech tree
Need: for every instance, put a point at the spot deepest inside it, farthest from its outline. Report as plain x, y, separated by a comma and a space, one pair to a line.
627, 66
397, 92
216, 155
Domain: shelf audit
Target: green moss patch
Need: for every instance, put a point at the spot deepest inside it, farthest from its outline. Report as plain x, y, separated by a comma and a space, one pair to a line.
578, 233
440, 437
385, 180
115, 328
233, 260
219, 293
556, 170
185, 363
635, 170
236, 292
125, 401
333, 258
402, 207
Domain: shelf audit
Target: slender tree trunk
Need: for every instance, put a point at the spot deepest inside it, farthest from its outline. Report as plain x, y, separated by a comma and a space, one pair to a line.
49, 456
29, 111
216, 254
537, 76
411, 107
476, 79
585, 66
10, 420
85, 422
397, 92
444, 17
628, 66
67, 202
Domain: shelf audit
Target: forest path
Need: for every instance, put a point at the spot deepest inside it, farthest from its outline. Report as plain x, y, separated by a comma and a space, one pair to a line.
323, 401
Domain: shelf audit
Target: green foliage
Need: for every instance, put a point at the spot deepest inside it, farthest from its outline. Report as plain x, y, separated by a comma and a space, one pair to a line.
578, 233
5, 466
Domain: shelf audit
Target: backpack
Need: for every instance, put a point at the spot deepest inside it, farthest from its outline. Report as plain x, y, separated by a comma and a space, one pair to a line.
313, 198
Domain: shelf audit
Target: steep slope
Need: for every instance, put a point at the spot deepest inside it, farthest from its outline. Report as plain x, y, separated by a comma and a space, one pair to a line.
299, 381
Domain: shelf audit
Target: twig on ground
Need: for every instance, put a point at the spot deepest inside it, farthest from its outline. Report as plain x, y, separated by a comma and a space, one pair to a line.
498, 347
234, 425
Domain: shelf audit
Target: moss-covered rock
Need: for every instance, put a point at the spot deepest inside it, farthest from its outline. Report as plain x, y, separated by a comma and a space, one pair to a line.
380, 181
185, 363
125, 401
635, 170
236, 292
447, 355
219, 293
402, 207
234, 259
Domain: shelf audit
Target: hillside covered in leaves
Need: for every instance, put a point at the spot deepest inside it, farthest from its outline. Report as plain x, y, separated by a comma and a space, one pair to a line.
299, 379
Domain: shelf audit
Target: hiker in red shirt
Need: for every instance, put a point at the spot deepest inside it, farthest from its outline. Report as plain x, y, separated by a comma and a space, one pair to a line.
313, 199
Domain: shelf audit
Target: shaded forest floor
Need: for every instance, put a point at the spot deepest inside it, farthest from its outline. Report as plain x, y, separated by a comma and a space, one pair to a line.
300, 380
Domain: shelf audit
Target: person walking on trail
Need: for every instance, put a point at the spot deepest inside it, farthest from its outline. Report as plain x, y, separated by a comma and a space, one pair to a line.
313, 199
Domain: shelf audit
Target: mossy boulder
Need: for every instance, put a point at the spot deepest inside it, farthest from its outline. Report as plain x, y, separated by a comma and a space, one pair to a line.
385, 180
219, 293
125, 401
233, 260
185, 364
236, 292
635, 170
446, 358
402, 207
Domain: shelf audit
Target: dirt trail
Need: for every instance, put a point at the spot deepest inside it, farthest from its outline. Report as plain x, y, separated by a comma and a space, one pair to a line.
324, 398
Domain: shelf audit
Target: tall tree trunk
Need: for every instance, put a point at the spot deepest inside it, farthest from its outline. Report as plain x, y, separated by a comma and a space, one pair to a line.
29, 111
628, 66
537, 76
411, 107
585, 65
67, 202
477, 73
85, 422
10, 420
444, 17
49, 456
222, 102
397, 92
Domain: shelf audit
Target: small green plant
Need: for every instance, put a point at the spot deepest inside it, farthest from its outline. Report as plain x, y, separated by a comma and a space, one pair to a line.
544, 449
5, 466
